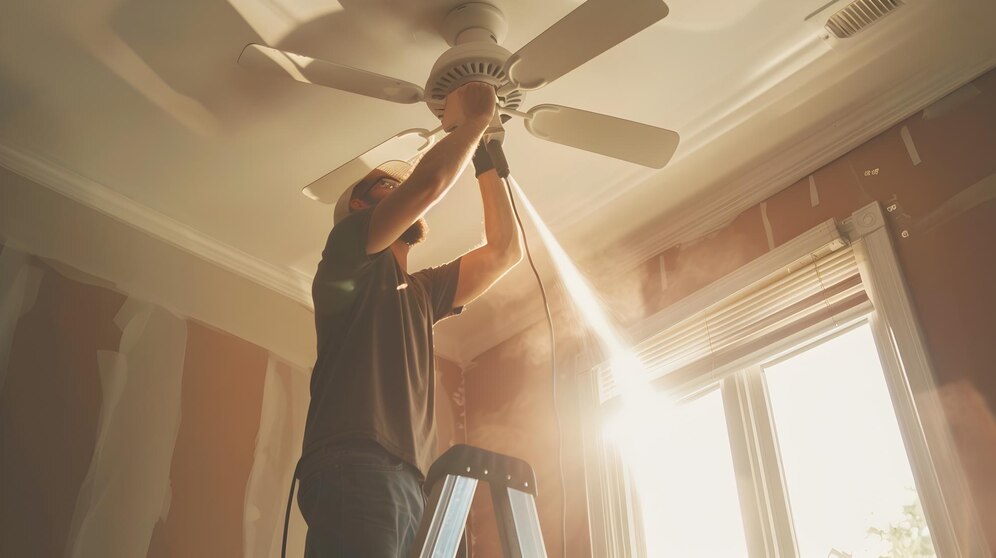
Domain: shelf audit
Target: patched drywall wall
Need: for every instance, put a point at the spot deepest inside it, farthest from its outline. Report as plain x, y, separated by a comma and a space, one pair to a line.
50, 406
935, 173
278, 447
129, 431
220, 410
41, 222
127, 488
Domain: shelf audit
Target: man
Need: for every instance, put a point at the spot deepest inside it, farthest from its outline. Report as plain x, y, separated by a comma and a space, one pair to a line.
371, 434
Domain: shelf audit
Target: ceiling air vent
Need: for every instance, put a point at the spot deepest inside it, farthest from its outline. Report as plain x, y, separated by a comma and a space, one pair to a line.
859, 14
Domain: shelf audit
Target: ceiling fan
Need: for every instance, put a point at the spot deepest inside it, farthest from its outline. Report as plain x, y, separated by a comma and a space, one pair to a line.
474, 31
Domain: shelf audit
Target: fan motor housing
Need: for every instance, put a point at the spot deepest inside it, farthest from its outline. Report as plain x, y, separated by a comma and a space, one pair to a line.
472, 61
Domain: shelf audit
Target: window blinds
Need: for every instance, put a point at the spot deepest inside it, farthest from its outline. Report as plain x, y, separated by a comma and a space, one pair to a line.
815, 291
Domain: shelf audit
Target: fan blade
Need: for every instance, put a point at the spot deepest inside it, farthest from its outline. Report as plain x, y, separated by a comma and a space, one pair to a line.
328, 74
638, 143
405, 146
591, 29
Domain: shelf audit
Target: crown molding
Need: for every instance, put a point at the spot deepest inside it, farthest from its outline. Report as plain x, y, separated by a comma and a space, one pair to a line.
719, 207
288, 282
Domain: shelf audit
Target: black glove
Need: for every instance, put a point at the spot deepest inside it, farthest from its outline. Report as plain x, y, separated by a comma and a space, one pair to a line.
482, 160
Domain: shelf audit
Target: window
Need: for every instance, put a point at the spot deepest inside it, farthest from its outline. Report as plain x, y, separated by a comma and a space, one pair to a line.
685, 481
804, 422
850, 486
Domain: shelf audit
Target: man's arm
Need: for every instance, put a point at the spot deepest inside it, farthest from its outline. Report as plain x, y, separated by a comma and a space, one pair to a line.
482, 267
437, 171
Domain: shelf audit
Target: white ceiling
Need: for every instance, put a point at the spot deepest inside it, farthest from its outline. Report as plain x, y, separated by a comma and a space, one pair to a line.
141, 104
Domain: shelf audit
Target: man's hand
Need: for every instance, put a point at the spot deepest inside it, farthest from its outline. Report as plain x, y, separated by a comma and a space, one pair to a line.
433, 176
473, 104
482, 160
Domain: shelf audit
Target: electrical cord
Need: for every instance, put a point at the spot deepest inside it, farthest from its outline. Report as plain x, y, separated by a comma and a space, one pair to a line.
501, 166
290, 500
553, 369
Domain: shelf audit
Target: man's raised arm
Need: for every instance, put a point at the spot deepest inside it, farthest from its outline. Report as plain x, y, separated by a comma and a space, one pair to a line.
438, 169
482, 267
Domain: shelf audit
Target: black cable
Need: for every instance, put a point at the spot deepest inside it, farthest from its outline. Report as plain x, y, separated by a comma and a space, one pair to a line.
290, 500
553, 353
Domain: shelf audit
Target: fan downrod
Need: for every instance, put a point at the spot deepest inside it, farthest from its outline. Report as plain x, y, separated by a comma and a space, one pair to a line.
473, 22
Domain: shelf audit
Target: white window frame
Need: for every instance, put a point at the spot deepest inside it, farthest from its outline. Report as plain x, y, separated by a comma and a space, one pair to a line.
939, 477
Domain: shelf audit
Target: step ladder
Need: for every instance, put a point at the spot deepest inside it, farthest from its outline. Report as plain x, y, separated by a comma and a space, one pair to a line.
451, 483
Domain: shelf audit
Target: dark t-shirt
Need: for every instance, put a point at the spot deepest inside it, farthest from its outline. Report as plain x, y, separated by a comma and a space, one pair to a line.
374, 378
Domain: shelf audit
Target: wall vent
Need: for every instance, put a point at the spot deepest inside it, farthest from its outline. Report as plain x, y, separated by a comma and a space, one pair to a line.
858, 15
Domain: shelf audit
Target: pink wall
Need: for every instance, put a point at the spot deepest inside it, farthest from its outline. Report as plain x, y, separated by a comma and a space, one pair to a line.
510, 411
451, 419
220, 410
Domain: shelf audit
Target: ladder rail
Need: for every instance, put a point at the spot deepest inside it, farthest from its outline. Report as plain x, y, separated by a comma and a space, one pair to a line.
449, 508
454, 479
527, 525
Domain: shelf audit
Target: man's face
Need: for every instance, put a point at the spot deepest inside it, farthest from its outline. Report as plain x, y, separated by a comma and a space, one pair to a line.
373, 194
379, 190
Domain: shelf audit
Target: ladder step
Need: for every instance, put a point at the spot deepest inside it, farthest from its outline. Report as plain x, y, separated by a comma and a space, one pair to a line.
481, 464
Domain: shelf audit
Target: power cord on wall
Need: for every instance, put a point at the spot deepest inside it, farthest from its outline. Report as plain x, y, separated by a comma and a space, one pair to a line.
290, 502
553, 372
501, 166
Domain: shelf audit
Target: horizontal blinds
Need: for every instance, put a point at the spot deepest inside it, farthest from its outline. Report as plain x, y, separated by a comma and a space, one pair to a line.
816, 289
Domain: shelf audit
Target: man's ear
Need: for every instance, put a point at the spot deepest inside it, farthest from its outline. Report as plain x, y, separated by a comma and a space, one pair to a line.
357, 204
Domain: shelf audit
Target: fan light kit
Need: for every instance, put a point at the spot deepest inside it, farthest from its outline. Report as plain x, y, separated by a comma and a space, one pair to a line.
474, 31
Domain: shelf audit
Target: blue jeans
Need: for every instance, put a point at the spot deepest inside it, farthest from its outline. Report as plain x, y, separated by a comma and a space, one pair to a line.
359, 501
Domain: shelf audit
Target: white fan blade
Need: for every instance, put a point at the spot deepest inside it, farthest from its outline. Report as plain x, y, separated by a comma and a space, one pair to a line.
405, 146
638, 143
320, 72
591, 29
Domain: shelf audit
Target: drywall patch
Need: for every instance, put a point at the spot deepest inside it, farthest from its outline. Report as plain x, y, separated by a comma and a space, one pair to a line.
70, 272
131, 319
167, 500
113, 369
910, 146
814, 194
19, 283
981, 192
767, 226
663, 266
951, 101
126, 490
281, 426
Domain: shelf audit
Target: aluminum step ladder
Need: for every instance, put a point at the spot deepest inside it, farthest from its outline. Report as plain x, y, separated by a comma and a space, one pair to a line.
452, 481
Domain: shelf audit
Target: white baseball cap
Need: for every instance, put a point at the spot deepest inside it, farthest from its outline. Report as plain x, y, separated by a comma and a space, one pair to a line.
398, 170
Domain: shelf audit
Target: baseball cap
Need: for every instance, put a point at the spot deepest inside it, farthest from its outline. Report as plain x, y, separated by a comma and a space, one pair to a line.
398, 170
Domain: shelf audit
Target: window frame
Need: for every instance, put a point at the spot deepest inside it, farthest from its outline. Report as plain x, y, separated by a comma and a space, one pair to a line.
909, 376
750, 412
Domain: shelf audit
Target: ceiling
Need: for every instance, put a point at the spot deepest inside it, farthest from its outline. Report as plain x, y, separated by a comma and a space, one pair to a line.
141, 104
